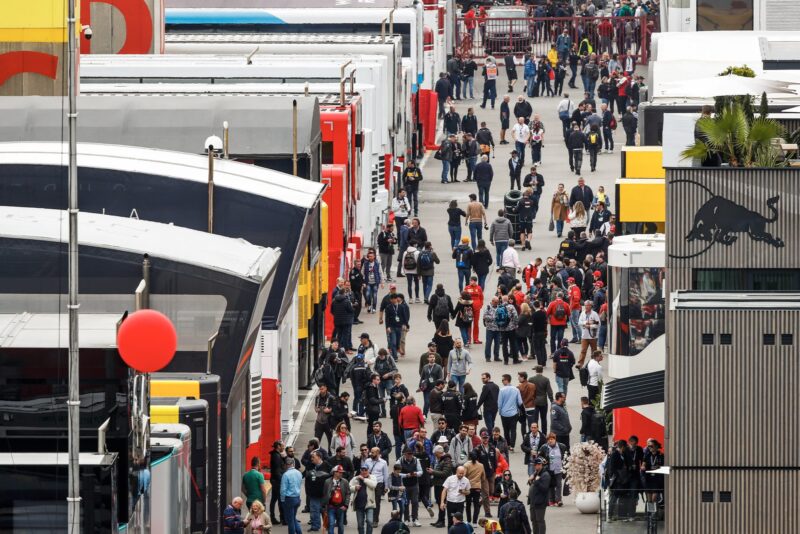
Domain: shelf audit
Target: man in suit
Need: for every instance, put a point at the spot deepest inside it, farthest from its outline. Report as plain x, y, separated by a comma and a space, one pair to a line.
583, 193
544, 393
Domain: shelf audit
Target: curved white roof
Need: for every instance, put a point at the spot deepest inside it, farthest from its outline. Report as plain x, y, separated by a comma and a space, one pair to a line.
229, 174
235, 257
645, 250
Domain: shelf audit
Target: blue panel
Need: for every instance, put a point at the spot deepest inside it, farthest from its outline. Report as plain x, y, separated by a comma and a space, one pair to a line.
420, 77
220, 16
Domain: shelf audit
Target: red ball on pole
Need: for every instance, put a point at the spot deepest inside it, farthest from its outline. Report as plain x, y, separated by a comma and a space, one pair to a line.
147, 341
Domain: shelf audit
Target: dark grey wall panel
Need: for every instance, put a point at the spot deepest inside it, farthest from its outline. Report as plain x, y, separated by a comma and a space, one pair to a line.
762, 501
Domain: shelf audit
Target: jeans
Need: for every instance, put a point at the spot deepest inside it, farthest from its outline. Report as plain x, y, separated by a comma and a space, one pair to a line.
463, 278
455, 235
427, 286
520, 148
536, 152
464, 333
471, 162
315, 507
415, 279
562, 383
489, 92
530, 86
556, 335
358, 405
475, 232
393, 334
445, 171
575, 160
469, 83
601, 336
566, 126
559, 227
508, 339
482, 281
483, 195
510, 428
489, 418
413, 198
455, 85
500, 247
573, 322
364, 520
372, 296
459, 380
426, 404
290, 506
608, 139
492, 336
386, 261
593, 158
344, 335
335, 518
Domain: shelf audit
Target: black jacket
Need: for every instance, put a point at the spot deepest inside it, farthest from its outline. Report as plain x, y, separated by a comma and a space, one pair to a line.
442, 89
514, 168
434, 299
372, 400
484, 137
488, 398
418, 235
482, 260
576, 140
586, 196
539, 490
483, 173
527, 447
386, 241
382, 442
523, 109
342, 310
629, 122
452, 122
523, 516
586, 421
469, 124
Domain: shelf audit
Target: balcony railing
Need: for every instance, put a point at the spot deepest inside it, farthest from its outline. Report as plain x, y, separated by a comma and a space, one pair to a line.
631, 512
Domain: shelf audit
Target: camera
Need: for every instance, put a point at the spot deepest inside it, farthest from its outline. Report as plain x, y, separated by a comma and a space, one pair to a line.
87, 32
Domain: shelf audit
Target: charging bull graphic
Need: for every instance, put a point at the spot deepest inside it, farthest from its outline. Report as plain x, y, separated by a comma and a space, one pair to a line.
721, 220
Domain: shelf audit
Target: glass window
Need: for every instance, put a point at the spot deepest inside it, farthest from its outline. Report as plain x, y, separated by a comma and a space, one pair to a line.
716, 15
746, 280
637, 308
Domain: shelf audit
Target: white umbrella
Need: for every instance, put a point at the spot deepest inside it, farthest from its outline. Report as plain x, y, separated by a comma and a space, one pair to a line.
728, 85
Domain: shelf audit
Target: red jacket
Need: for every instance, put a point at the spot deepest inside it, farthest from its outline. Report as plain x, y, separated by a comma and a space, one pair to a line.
574, 296
551, 313
411, 417
476, 295
606, 29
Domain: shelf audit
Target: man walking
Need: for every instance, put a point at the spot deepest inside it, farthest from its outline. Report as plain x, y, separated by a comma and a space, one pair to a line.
509, 403
483, 175
336, 499
470, 150
316, 475
538, 496
609, 123
559, 420
363, 487
446, 154
476, 219
412, 176
563, 361
589, 323
522, 136
544, 392
576, 142
488, 400
500, 232
454, 495
443, 90
290, 495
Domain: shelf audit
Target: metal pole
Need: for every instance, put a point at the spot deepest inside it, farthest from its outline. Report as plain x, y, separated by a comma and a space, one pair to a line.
74, 403
294, 137
226, 140
210, 189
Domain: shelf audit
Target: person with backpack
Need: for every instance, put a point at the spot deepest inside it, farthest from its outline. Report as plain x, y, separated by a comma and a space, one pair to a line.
463, 256
324, 406
426, 261
512, 515
411, 270
538, 495
464, 316
336, 499
558, 314
563, 362
594, 143
440, 307
505, 319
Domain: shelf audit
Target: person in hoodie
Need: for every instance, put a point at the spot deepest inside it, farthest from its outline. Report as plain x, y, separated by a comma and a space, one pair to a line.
402, 241
440, 307
343, 316
463, 256
469, 122
410, 265
587, 414
426, 262
500, 232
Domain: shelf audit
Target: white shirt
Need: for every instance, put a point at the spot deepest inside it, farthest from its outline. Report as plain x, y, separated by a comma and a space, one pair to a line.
589, 331
566, 105
401, 208
378, 469
521, 132
510, 258
595, 372
454, 486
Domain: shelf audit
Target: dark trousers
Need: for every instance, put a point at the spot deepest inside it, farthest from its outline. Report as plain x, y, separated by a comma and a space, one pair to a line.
508, 339
492, 337
319, 431
539, 348
452, 508
592, 158
275, 497
594, 391
575, 160
473, 505
531, 416
541, 416
437, 496
630, 137
379, 488
489, 418
556, 335
483, 195
510, 429
539, 526
563, 438
608, 139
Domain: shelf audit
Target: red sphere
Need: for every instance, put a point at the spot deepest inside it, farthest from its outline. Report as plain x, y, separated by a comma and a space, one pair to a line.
147, 341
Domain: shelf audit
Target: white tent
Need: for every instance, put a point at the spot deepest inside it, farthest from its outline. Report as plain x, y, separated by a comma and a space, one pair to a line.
728, 85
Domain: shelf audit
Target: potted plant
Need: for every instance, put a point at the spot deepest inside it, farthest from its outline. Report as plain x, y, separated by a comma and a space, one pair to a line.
582, 469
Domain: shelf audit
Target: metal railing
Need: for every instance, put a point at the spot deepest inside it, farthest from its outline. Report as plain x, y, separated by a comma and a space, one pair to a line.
480, 37
628, 512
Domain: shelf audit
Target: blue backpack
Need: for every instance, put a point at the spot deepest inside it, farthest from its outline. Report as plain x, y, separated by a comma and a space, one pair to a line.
425, 260
501, 318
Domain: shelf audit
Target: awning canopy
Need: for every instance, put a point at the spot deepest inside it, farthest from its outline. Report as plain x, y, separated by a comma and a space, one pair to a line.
636, 390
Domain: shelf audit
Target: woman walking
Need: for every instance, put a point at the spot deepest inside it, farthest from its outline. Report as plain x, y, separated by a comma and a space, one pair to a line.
454, 214
410, 265
444, 342
476, 474
456, 161
469, 415
578, 219
503, 486
482, 261
524, 329
559, 210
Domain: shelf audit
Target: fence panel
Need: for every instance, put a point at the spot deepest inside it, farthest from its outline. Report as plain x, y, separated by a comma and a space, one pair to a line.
480, 37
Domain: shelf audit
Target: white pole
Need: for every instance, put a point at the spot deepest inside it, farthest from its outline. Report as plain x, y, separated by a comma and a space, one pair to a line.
73, 404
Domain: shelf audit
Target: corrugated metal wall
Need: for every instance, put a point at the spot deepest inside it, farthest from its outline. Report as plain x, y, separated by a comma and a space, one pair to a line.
750, 188
762, 501
732, 403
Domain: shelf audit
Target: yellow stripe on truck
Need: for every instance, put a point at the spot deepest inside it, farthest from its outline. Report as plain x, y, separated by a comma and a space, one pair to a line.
163, 414
189, 389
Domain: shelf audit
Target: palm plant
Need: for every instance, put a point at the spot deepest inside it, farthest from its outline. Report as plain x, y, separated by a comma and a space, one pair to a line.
740, 142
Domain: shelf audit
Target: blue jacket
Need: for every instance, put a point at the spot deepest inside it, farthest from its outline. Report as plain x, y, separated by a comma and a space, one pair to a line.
232, 521
483, 173
530, 69
376, 269
403, 238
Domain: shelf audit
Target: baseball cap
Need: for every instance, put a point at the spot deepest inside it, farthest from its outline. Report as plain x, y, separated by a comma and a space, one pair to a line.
538, 461
597, 274
363, 468
364, 336
599, 283
431, 344
338, 469
570, 279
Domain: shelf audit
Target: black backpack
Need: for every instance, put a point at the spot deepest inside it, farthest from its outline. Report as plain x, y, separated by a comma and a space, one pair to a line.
513, 521
441, 309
